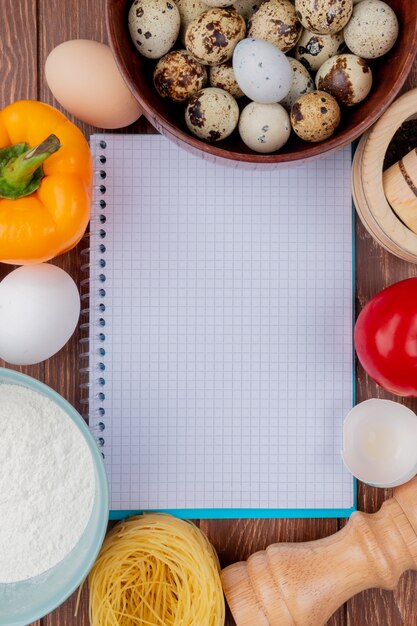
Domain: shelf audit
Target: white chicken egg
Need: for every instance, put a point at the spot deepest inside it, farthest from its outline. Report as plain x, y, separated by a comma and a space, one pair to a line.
39, 311
262, 71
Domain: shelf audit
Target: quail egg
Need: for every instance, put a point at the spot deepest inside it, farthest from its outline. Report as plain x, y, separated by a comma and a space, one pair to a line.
347, 77
154, 26
223, 77
212, 114
246, 8
313, 49
189, 9
263, 72
219, 3
212, 36
275, 21
301, 83
325, 17
372, 30
264, 127
177, 76
315, 116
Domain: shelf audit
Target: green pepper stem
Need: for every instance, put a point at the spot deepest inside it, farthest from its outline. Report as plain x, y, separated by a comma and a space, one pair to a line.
18, 172
21, 167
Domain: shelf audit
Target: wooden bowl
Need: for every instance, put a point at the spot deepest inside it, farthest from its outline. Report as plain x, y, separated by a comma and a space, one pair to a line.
389, 72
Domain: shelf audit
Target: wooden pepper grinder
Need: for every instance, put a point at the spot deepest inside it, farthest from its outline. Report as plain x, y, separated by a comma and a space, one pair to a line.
303, 584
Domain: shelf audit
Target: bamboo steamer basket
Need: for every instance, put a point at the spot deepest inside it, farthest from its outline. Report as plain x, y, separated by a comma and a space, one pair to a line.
373, 190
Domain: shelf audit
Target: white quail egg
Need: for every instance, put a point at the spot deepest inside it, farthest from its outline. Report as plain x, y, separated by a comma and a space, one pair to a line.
263, 72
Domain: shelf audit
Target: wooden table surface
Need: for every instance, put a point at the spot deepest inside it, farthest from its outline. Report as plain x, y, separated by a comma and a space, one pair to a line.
29, 30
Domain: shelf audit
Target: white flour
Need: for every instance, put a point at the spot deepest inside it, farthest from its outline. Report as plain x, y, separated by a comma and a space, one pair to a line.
47, 484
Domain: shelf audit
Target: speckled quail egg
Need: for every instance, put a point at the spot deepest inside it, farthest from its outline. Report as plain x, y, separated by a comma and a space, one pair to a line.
264, 127
275, 21
219, 3
189, 9
325, 17
263, 72
315, 116
347, 77
246, 8
154, 26
223, 77
372, 30
313, 49
212, 114
212, 36
178, 76
301, 83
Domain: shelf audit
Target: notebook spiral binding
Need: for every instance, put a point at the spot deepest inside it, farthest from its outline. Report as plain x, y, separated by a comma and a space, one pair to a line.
93, 366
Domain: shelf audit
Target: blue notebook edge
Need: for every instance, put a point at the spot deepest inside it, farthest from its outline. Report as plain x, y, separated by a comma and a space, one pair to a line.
115, 515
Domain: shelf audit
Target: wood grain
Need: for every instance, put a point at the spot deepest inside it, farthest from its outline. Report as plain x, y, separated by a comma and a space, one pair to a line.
292, 583
29, 29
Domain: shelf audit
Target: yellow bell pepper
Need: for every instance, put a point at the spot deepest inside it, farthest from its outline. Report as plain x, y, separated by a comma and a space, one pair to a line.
45, 183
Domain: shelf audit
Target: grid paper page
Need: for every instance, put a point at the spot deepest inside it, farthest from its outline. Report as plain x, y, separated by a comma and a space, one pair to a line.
228, 329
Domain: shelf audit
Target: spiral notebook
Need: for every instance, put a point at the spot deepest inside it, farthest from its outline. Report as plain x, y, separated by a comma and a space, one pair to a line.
220, 332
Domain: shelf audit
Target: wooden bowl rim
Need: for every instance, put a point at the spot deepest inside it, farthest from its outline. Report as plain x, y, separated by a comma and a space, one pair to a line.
296, 156
371, 204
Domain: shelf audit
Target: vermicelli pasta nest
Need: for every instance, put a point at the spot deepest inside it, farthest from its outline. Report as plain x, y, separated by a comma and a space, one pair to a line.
156, 570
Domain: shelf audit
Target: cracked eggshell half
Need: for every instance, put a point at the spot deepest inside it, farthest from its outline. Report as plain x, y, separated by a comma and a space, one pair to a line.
264, 128
263, 72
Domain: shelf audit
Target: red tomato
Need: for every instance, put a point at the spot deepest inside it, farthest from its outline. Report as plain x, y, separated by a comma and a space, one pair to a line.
386, 338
